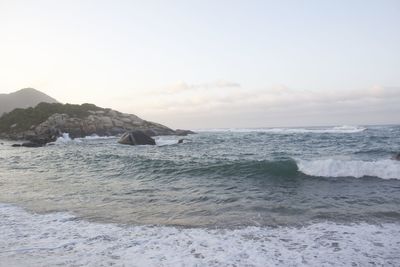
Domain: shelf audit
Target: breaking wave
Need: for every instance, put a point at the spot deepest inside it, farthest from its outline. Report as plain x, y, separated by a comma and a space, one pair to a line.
64, 138
166, 140
385, 168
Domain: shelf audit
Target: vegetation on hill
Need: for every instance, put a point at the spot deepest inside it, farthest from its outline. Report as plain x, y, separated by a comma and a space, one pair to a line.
23, 119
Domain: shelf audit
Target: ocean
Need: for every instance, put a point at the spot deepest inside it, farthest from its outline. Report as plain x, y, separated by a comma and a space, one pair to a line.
319, 196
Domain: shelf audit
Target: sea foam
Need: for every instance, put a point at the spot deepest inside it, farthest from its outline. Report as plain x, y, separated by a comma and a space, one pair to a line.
166, 140
65, 138
95, 137
385, 168
61, 239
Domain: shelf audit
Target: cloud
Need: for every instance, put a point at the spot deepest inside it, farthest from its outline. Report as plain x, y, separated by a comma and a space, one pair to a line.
182, 86
227, 104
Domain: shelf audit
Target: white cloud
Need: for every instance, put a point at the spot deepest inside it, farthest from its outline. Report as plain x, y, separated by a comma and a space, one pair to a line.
227, 104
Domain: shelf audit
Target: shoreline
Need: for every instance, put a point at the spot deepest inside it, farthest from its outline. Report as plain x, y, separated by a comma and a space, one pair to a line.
60, 238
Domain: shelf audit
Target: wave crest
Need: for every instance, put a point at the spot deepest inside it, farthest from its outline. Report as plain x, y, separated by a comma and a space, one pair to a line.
386, 169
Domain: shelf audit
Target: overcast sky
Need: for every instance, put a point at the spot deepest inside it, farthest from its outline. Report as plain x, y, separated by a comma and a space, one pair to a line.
199, 64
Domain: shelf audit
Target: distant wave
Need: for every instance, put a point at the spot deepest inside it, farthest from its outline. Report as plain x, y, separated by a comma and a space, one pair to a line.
62, 239
337, 129
385, 169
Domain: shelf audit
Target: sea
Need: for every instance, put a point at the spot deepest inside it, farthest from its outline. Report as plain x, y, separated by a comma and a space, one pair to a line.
311, 196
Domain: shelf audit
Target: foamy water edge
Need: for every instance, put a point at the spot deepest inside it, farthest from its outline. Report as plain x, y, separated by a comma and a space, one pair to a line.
59, 238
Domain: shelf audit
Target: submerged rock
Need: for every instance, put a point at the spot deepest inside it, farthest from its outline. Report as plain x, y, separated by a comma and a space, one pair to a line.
136, 138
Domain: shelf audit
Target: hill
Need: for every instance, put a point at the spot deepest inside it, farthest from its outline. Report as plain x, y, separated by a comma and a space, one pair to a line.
23, 98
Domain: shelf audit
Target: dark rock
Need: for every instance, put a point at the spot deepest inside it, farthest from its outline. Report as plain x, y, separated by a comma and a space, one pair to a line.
32, 144
116, 131
28, 144
397, 157
149, 132
183, 132
136, 138
180, 141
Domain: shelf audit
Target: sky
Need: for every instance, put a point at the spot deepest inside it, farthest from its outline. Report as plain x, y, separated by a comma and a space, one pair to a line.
210, 64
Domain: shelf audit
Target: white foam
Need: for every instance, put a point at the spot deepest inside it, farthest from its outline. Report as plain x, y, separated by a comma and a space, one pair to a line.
60, 239
385, 168
166, 140
64, 138
95, 137
332, 130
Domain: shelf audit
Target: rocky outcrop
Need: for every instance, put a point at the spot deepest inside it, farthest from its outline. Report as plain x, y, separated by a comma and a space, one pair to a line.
46, 122
183, 132
101, 122
136, 138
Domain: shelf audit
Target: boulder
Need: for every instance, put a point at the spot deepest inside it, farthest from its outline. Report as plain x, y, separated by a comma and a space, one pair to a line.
181, 132
112, 113
136, 138
28, 144
117, 123
117, 131
106, 122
